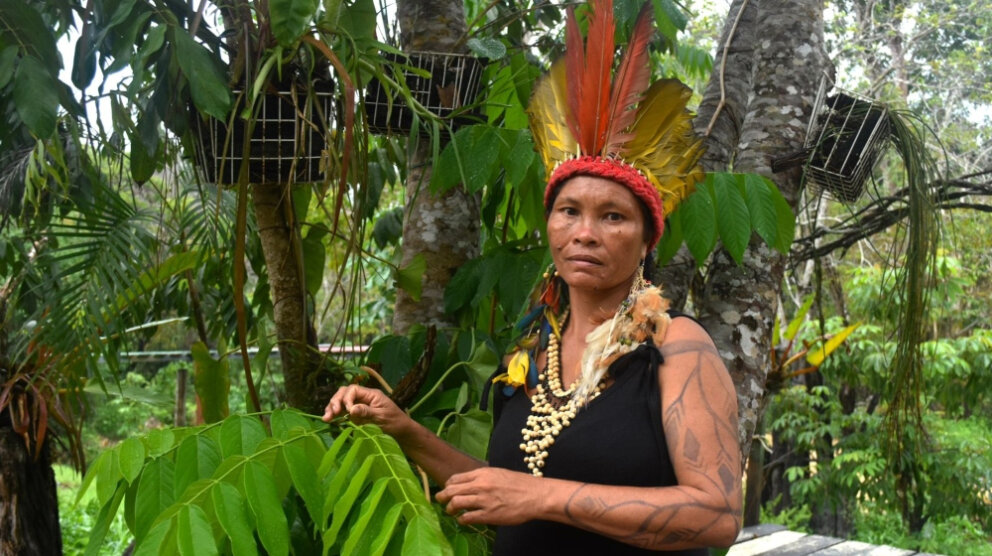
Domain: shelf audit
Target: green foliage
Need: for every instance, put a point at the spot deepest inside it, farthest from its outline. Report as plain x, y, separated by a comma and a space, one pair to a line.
730, 207
235, 485
851, 469
795, 517
78, 514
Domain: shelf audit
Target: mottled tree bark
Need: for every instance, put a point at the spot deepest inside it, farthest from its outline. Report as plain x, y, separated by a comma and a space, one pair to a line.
718, 120
443, 229
738, 302
29, 506
294, 328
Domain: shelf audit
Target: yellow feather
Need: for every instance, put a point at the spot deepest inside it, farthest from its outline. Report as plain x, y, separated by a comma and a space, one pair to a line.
549, 113
663, 144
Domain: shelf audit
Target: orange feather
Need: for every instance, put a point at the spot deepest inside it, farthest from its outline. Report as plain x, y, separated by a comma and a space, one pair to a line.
589, 74
574, 66
632, 79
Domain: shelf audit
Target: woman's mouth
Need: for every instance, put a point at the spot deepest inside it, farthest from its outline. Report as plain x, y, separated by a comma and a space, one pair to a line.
584, 260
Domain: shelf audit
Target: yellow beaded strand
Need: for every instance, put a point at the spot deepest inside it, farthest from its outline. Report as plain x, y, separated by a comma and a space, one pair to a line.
546, 421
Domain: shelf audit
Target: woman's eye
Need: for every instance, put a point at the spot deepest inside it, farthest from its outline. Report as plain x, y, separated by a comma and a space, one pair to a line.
614, 217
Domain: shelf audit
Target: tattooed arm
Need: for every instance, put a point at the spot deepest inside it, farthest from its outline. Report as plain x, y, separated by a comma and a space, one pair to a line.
699, 416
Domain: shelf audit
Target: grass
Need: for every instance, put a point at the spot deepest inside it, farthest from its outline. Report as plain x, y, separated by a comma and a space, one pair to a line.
77, 519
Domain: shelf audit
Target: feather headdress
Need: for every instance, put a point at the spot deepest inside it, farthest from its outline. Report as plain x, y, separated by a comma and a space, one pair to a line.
586, 122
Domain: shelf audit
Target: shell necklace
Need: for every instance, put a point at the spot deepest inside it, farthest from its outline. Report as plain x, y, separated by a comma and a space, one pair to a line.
552, 409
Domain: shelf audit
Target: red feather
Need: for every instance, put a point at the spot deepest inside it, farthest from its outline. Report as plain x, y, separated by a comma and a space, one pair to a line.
632, 79
574, 70
595, 94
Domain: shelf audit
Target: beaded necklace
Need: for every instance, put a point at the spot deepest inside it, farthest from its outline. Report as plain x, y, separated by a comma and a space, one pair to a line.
552, 409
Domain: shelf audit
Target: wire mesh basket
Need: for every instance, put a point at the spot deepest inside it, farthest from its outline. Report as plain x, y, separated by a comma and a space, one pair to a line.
845, 136
288, 140
445, 84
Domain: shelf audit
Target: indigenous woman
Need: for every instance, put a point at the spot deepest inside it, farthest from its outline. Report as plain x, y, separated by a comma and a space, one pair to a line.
616, 428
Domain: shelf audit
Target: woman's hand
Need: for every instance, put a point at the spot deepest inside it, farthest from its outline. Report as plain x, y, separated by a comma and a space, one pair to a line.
493, 496
368, 405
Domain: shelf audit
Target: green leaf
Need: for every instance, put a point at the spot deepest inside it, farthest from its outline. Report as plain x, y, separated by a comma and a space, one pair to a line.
358, 19
816, 358
449, 169
155, 494
421, 538
732, 216
155, 277
290, 18
152, 544
26, 27
7, 57
786, 220
142, 164
343, 505
699, 224
103, 520
84, 59
797, 321
386, 530
136, 393
410, 277
314, 258
284, 420
232, 513
671, 240
260, 488
761, 206
330, 459
240, 434
487, 47
131, 456
207, 84
370, 504
480, 156
462, 287
108, 478
92, 473
197, 458
304, 474
388, 227
193, 534
520, 157
159, 441
36, 97
470, 433
212, 383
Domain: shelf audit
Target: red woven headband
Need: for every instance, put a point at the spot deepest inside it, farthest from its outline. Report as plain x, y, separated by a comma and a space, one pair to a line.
617, 171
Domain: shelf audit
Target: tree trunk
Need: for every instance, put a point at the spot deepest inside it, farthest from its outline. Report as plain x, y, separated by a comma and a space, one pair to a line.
29, 506
443, 229
294, 329
718, 120
738, 302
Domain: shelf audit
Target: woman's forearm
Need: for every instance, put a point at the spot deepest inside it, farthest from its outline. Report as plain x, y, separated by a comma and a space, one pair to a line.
436, 457
662, 518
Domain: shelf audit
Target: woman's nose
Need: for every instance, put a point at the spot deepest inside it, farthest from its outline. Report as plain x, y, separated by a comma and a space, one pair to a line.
586, 231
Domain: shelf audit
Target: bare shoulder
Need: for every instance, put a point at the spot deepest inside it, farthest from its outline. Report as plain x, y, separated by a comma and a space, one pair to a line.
686, 336
692, 360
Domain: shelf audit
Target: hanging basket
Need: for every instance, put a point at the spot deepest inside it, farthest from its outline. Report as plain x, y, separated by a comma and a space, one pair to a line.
845, 136
287, 144
443, 83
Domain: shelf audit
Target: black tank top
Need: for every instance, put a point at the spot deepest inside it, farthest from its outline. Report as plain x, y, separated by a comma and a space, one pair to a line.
617, 439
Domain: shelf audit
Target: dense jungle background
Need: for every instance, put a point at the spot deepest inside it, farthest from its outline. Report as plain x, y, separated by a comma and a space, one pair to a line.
170, 331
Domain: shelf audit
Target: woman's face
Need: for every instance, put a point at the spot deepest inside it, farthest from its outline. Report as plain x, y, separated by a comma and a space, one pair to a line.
596, 234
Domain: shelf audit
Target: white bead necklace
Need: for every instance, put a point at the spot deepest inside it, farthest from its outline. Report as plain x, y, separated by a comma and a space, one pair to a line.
550, 415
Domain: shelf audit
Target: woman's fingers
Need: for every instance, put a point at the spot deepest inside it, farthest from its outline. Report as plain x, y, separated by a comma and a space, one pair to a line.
344, 400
